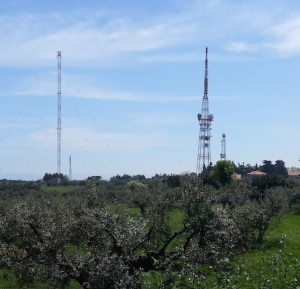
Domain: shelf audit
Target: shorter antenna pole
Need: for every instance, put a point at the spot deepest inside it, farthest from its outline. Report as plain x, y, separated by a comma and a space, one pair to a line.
223, 148
70, 169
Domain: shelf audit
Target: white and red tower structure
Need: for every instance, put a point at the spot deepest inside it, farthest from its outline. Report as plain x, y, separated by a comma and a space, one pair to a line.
205, 119
58, 112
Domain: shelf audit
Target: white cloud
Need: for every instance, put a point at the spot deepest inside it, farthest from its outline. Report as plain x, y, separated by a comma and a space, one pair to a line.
240, 47
287, 37
36, 37
90, 38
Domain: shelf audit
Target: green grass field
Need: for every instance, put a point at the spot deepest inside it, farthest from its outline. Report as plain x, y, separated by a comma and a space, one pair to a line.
274, 264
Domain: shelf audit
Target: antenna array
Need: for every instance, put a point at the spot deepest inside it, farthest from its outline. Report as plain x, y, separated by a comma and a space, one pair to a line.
205, 119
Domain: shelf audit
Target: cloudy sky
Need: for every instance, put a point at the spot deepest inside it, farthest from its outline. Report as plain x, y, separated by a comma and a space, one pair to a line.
132, 84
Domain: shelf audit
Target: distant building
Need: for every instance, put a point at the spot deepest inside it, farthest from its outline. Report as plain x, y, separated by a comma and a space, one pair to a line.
293, 175
236, 176
255, 174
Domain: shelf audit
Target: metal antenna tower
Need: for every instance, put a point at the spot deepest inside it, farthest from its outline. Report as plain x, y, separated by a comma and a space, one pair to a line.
70, 169
205, 119
58, 112
223, 147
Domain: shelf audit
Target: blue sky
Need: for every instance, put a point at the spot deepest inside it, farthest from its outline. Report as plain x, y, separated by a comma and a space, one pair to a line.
132, 84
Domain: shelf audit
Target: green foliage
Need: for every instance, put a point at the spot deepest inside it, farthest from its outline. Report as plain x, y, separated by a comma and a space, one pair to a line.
269, 181
274, 264
222, 172
243, 169
135, 186
94, 178
185, 238
63, 190
277, 168
173, 181
55, 179
10, 188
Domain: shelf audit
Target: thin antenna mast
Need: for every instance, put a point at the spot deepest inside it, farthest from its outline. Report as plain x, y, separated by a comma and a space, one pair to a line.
70, 169
58, 112
223, 147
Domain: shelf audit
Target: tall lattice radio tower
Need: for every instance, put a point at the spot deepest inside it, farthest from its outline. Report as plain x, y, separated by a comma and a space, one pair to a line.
58, 112
205, 119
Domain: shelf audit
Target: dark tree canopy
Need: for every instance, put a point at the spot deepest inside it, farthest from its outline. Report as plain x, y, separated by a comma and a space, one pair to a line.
173, 181
94, 178
243, 169
280, 168
222, 172
277, 168
55, 179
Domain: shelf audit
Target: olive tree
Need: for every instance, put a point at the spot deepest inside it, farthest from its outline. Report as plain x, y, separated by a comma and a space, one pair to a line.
103, 245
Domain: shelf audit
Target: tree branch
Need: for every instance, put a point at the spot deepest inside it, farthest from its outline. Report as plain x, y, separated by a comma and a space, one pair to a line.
116, 248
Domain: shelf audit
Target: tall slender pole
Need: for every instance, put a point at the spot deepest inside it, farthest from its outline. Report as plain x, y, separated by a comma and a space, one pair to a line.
58, 112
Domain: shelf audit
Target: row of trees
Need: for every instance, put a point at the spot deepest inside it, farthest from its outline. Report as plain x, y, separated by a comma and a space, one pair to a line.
267, 167
174, 180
